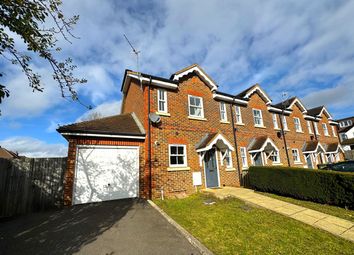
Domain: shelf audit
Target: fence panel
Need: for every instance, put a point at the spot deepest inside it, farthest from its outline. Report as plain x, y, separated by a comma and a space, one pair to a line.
31, 184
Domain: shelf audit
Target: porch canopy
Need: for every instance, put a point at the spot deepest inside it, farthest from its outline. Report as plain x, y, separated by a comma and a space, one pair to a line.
313, 147
262, 144
333, 148
214, 140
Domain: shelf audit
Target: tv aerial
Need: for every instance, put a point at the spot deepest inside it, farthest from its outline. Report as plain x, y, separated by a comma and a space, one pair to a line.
136, 52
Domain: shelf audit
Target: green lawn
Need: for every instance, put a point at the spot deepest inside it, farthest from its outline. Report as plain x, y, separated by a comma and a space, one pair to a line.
329, 209
232, 227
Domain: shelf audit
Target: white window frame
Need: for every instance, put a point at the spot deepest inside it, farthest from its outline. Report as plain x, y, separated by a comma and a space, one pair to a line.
297, 155
189, 107
184, 155
309, 127
243, 155
285, 123
275, 120
260, 117
334, 131
297, 124
238, 115
315, 124
228, 155
325, 129
277, 155
162, 100
223, 112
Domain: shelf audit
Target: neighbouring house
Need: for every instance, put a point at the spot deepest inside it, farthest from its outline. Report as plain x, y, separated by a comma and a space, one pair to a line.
174, 135
4, 153
346, 133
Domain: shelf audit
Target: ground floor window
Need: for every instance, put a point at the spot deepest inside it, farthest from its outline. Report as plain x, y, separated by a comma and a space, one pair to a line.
296, 156
244, 157
228, 159
177, 155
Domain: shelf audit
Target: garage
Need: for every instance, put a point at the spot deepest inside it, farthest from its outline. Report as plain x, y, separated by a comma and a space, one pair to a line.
106, 173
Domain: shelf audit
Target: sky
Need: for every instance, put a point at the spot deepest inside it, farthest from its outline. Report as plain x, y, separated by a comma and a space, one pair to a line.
303, 48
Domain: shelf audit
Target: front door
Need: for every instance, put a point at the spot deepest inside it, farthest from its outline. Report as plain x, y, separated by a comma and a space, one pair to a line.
258, 159
211, 170
309, 161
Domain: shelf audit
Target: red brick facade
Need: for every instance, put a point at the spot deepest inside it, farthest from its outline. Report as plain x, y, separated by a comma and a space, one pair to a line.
176, 127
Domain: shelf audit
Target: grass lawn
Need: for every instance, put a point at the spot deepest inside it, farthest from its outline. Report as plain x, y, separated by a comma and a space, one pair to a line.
329, 209
231, 226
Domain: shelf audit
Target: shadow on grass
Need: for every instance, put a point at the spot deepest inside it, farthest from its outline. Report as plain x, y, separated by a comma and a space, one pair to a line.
61, 232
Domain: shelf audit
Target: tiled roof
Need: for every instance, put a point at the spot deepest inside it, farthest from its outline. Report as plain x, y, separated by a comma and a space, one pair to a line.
123, 124
205, 140
310, 146
285, 104
315, 111
332, 147
348, 141
257, 143
345, 129
4, 153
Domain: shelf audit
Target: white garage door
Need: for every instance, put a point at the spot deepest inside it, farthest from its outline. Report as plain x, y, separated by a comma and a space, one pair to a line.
106, 173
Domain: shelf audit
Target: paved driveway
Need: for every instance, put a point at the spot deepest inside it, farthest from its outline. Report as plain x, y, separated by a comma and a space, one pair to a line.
115, 227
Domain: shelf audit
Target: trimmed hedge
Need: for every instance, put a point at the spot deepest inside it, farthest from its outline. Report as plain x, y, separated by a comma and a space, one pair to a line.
322, 186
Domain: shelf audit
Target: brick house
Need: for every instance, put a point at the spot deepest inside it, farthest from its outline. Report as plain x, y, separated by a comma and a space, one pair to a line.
178, 134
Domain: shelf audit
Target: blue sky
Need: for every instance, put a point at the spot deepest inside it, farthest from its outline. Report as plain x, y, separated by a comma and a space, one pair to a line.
305, 48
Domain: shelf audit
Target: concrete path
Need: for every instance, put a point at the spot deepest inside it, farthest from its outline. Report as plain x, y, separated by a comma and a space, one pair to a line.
332, 224
124, 226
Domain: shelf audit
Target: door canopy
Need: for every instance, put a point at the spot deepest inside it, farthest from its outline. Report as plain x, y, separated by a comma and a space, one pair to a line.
313, 147
214, 140
262, 144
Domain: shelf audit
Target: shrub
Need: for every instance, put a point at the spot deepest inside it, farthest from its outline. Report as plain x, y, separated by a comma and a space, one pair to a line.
308, 184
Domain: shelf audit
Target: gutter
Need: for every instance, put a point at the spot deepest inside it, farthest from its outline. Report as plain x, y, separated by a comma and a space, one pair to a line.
149, 140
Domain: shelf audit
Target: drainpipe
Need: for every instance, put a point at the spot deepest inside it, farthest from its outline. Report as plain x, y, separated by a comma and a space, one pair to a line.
235, 142
149, 141
283, 135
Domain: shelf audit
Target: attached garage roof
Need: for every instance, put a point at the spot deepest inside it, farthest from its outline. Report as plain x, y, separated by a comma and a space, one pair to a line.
123, 124
348, 141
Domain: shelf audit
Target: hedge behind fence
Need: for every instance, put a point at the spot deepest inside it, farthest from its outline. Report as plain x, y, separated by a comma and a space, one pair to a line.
308, 184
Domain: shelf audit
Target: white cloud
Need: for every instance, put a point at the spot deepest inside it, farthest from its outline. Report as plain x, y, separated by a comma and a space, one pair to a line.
102, 110
32, 147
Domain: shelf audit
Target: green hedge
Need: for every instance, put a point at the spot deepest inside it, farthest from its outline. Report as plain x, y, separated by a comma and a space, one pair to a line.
321, 186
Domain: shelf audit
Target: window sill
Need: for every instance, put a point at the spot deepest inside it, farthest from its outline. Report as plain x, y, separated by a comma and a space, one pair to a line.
301, 132
277, 129
327, 136
224, 122
298, 163
163, 114
277, 164
240, 124
175, 168
259, 126
230, 169
196, 118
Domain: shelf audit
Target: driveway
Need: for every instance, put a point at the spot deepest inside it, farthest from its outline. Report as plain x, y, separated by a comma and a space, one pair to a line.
116, 227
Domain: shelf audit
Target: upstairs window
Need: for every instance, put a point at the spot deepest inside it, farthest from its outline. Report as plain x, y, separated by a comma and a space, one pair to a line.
238, 115
285, 124
177, 155
297, 125
309, 127
334, 131
316, 128
275, 121
257, 117
296, 156
325, 129
223, 113
162, 100
195, 106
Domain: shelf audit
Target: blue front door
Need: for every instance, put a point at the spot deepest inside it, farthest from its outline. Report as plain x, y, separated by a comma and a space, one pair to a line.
211, 169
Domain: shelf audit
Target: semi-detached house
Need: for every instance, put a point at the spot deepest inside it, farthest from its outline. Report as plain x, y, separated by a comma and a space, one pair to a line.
179, 134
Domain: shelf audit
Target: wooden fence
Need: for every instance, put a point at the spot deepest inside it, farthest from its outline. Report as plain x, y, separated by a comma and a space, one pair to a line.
31, 184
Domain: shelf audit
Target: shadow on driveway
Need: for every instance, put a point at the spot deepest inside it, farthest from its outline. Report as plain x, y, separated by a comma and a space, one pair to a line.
61, 232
